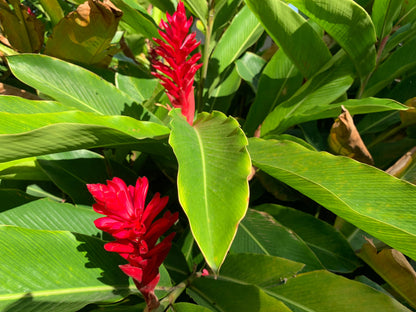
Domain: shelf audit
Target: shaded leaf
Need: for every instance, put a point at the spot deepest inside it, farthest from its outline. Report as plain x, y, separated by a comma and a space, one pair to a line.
23, 31
22, 169
53, 9
394, 268
349, 25
188, 307
72, 171
344, 139
327, 244
260, 233
238, 276
400, 61
85, 35
7, 90
386, 210
384, 13
213, 170
326, 292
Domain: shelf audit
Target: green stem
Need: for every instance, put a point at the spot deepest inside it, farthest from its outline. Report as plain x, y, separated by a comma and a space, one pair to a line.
379, 52
206, 53
176, 292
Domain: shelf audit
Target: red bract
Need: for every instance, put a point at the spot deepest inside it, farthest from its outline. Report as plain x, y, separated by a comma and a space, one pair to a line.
130, 222
179, 72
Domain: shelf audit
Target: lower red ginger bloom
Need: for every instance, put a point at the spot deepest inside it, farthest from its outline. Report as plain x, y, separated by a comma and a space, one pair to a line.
178, 76
130, 222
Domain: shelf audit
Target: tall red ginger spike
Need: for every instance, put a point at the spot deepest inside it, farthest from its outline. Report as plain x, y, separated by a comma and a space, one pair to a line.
178, 76
130, 222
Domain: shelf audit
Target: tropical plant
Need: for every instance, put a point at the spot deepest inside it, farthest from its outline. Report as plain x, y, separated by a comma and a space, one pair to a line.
276, 128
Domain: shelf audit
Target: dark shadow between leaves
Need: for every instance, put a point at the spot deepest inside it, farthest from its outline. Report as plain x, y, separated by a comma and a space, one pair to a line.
108, 262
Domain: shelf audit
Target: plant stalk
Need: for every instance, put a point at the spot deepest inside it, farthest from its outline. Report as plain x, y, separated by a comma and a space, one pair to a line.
206, 53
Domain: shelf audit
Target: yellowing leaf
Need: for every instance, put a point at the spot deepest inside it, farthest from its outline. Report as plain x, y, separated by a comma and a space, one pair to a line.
84, 36
23, 31
344, 139
394, 268
408, 117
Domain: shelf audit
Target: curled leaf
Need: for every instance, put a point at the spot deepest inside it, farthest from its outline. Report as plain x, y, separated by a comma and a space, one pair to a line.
85, 35
344, 139
408, 117
394, 268
21, 29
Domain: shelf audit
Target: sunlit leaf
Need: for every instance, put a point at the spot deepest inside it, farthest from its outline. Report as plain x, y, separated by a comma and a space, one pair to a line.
213, 170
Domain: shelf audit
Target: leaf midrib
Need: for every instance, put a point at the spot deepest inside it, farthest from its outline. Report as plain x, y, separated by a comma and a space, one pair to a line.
63, 291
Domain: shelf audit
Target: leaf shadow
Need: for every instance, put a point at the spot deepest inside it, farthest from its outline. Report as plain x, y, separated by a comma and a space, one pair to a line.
111, 274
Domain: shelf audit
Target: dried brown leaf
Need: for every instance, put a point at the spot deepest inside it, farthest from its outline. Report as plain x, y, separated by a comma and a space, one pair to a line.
23, 30
344, 139
84, 36
400, 166
394, 268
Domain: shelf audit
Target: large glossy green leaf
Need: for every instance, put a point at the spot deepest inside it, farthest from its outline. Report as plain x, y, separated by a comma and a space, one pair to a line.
56, 271
213, 170
370, 199
243, 32
322, 291
137, 19
260, 233
187, 307
324, 88
278, 81
72, 85
384, 14
19, 105
400, 61
25, 135
293, 34
239, 278
330, 247
314, 101
45, 214
349, 24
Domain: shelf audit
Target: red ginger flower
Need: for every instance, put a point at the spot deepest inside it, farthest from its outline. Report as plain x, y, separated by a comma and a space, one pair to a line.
179, 76
131, 224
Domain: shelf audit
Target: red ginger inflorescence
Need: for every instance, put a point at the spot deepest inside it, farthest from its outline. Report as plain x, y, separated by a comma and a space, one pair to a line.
131, 224
179, 73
